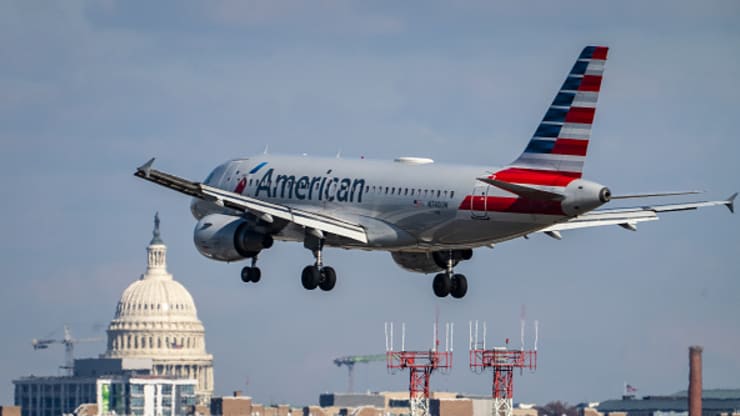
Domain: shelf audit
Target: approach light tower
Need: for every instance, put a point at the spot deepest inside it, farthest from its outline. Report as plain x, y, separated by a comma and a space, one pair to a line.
421, 365
502, 361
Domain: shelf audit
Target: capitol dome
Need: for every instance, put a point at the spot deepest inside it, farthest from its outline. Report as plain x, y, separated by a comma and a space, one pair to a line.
156, 318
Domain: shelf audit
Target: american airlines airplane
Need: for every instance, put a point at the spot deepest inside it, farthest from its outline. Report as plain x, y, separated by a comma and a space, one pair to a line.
429, 216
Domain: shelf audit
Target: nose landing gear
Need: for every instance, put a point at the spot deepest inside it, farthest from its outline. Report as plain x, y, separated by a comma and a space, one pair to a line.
251, 273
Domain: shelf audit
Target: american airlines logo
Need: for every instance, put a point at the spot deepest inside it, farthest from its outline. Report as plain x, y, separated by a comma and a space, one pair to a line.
316, 188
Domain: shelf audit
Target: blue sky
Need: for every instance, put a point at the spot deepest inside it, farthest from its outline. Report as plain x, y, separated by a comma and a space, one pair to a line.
90, 90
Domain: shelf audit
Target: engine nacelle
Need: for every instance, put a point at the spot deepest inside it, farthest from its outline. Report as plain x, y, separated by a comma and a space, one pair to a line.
582, 196
429, 262
228, 238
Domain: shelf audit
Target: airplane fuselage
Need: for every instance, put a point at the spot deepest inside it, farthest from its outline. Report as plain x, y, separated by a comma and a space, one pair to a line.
429, 206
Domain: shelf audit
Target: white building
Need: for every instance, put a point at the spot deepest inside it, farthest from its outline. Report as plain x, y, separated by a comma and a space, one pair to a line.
156, 318
155, 364
145, 395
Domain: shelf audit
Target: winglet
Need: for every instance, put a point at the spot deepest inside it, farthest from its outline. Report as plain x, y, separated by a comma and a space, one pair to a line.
146, 167
730, 203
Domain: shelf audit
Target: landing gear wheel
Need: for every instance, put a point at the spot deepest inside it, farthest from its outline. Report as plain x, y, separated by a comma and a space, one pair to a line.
441, 285
246, 278
328, 278
310, 277
251, 274
256, 274
459, 286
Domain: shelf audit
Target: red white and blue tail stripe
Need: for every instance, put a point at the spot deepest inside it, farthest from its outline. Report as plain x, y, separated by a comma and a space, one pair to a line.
557, 150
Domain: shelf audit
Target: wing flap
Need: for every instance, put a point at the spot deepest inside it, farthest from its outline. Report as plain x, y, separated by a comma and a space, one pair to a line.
325, 223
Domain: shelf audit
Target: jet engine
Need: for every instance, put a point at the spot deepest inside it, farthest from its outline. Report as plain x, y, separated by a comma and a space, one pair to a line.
430, 262
228, 238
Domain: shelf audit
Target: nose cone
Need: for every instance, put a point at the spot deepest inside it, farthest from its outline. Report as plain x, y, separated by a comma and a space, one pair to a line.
583, 196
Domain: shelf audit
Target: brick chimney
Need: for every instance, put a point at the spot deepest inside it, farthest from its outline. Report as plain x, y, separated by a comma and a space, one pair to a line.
695, 380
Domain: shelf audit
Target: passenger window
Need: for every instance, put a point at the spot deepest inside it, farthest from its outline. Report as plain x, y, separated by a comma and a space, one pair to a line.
386, 190
438, 193
452, 194
405, 191
393, 190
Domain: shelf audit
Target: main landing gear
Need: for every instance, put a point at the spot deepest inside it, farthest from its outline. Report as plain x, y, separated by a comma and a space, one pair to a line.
449, 282
317, 275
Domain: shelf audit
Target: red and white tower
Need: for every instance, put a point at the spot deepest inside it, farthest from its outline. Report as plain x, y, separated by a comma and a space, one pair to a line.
421, 364
503, 361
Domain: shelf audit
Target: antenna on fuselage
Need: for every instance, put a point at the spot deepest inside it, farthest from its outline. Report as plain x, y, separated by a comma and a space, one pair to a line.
339, 154
267, 147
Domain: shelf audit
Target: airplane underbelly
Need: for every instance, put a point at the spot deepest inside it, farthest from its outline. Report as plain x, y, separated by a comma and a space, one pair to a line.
466, 231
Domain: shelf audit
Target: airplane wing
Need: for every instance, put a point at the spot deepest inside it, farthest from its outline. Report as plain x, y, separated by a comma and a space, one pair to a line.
629, 217
321, 222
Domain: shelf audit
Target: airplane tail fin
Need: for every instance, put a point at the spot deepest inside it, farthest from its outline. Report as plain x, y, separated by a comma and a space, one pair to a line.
557, 150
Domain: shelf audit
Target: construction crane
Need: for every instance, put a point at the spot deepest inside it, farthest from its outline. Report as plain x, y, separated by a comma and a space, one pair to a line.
69, 345
350, 362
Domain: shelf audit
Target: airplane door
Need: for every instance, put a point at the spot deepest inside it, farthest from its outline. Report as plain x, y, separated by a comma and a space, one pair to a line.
479, 201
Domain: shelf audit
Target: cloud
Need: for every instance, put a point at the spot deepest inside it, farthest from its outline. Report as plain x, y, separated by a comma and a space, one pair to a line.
326, 16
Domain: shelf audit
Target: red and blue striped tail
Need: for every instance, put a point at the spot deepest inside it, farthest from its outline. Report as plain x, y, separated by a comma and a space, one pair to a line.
556, 153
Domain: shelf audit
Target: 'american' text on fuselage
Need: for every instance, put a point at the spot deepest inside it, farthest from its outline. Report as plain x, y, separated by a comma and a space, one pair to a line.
311, 188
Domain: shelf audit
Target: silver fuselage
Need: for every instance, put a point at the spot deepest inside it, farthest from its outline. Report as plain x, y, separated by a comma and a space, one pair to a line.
428, 205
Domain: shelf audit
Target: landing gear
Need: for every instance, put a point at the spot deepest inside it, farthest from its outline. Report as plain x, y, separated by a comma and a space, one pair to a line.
441, 285
317, 275
251, 273
444, 285
450, 283
311, 277
459, 286
328, 278
324, 278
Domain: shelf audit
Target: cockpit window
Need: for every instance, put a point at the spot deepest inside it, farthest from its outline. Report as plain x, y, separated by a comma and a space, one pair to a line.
215, 174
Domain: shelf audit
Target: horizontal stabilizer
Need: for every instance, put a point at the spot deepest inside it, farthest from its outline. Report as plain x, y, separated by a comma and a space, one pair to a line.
655, 194
524, 191
628, 218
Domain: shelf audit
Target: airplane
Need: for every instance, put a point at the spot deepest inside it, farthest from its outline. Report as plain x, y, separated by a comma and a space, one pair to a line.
429, 216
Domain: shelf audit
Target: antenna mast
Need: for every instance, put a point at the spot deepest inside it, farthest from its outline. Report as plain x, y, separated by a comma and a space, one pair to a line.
421, 364
502, 361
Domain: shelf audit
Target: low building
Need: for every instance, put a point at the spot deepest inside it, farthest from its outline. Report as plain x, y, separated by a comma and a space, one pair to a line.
117, 394
10, 411
715, 402
148, 395
397, 404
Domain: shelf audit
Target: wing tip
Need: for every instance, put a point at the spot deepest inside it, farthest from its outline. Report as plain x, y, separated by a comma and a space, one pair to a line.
146, 167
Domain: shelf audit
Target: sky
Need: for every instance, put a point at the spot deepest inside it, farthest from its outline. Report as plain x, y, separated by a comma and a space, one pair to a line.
90, 90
